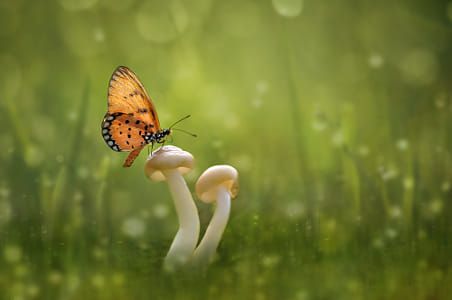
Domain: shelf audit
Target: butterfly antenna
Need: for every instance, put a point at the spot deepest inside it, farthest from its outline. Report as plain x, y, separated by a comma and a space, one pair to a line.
180, 120
185, 131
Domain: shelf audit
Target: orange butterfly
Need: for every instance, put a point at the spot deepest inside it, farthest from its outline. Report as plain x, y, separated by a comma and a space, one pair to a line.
131, 121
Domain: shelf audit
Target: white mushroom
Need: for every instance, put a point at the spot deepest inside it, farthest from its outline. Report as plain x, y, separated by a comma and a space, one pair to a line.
170, 163
218, 183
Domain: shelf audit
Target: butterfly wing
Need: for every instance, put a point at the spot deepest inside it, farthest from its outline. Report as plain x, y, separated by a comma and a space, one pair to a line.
131, 114
126, 94
123, 132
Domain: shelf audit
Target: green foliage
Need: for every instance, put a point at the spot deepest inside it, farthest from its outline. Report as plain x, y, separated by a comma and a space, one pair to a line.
337, 115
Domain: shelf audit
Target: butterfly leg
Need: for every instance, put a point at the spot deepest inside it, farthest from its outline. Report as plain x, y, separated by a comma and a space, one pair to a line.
131, 157
152, 147
162, 144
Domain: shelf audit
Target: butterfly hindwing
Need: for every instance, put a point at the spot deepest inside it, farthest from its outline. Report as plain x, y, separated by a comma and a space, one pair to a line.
123, 132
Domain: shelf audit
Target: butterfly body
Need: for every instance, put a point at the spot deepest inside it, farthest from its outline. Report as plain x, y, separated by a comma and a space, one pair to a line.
131, 122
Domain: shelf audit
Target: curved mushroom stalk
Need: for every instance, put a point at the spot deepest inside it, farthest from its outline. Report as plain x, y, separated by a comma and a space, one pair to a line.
170, 163
205, 252
219, 184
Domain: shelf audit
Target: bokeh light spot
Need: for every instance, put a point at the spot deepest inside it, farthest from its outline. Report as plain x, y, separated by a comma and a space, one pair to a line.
449, 11
133, 227
77, 5
54, 277
408, 183
10, 77
402, 144
33, 156
161, 211
288, 8
155, 21
376, 61
419, 67
12, 253
84, 39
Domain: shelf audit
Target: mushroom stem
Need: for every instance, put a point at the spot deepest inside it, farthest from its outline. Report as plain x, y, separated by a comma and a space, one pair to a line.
203, 255
187, 236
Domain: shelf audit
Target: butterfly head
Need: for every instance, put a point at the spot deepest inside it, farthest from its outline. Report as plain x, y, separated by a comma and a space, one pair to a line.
163, 134
158, 137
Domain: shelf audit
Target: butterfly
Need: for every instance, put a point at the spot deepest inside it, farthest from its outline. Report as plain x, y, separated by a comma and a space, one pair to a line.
131, 122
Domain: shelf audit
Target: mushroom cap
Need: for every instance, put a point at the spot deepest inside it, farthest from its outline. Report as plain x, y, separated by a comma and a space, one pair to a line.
215, 177
167, 158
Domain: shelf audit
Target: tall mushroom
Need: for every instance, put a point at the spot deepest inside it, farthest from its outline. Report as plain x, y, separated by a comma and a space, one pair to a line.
170, 163
217, 184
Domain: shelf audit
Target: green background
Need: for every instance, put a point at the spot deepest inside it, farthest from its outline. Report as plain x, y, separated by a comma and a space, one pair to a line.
337, 115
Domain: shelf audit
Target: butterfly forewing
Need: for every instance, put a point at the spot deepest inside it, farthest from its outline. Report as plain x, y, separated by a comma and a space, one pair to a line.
126, 94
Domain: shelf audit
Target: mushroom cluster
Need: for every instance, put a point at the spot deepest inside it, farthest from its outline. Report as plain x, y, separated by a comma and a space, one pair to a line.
218, 184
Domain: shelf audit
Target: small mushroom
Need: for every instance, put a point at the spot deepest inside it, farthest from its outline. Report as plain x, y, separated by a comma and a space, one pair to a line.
170, 163
217, 184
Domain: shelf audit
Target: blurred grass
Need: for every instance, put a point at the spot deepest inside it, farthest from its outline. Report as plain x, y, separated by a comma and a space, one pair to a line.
336, 114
